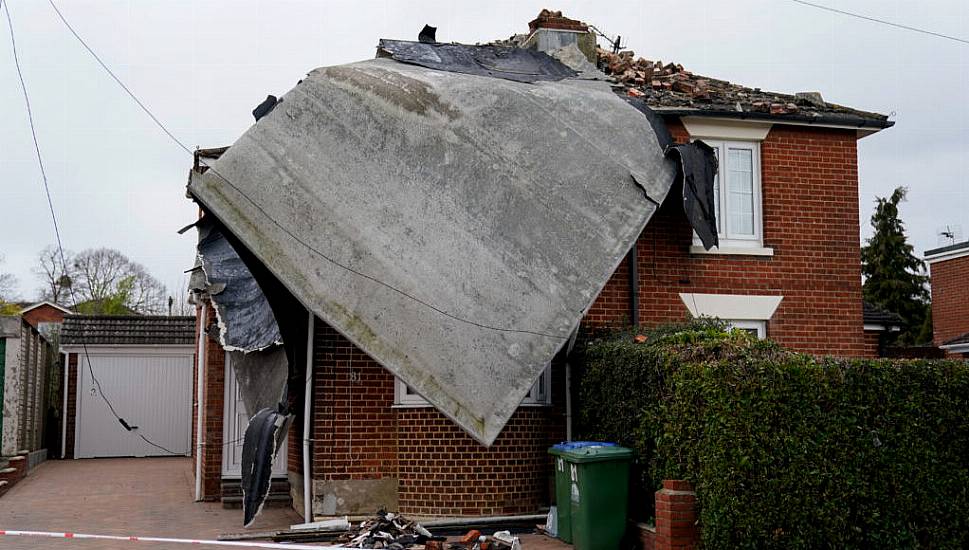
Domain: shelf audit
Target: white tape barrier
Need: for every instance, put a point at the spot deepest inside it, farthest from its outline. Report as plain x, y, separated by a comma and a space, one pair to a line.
247, 544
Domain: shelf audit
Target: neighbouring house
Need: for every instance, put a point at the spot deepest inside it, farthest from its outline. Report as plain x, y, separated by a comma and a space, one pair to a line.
787, 265
139, 366
879, 325
949, 276
46, 316
27, 362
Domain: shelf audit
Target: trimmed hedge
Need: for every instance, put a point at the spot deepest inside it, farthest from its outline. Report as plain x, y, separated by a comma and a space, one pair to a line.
787, 450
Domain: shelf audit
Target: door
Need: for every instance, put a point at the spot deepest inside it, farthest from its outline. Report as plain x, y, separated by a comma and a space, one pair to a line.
234, 428
149, 388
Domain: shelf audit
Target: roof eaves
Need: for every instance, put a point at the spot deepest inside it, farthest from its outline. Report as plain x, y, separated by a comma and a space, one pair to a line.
947, 252
820, 119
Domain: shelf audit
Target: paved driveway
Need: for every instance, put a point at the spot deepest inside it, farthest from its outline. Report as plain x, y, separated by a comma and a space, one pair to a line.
119, 496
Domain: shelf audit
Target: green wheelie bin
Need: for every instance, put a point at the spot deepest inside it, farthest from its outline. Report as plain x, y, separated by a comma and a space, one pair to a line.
563, 484
598, 495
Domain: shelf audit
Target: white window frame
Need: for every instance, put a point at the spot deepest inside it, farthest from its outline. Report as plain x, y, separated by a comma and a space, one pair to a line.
540, 394
730, 241
759, 328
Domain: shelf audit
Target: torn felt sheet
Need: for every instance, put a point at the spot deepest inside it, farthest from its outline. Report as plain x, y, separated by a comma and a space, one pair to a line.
507, 62
264, 437
246, 322
697, 170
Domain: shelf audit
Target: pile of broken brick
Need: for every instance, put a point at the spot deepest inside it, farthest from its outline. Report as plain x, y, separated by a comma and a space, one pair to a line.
388, 531
670, 85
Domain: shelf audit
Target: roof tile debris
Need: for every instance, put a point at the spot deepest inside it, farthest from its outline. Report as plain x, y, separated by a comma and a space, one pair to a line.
128, 329
671, 86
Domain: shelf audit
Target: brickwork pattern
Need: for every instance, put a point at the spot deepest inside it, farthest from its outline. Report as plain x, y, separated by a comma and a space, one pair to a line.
810, 217
213, 399
950, 299
44, 314
70, 417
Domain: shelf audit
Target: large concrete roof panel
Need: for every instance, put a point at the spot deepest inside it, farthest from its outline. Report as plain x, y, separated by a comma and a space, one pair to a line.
454, 227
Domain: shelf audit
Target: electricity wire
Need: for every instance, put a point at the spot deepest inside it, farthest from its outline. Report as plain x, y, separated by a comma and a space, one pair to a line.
273, 220
881, 21
57, 233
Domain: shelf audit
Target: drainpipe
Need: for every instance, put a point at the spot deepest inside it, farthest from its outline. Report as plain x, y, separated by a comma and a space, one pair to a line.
64, 387
307, 416
568, 385
199, 381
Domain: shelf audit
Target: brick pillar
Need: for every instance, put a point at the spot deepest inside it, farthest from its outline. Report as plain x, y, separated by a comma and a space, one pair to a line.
676, 516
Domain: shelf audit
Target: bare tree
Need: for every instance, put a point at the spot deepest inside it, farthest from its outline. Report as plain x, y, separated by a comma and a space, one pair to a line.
8, 286
108, 282
56, 275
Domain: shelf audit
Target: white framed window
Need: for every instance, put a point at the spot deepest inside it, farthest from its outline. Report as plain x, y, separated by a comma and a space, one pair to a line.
737, 195
539, 395
756, 328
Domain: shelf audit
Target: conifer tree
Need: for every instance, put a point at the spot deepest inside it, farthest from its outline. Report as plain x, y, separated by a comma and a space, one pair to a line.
895, 277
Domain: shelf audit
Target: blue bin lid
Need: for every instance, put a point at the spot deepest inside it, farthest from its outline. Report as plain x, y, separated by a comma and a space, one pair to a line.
572, 445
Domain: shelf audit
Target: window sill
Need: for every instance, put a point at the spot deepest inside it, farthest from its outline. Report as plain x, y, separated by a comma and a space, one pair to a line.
733, 251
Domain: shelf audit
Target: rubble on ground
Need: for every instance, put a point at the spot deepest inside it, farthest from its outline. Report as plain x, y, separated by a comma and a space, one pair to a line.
387, 530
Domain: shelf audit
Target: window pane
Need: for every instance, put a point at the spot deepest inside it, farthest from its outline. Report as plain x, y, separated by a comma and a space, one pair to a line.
740, 189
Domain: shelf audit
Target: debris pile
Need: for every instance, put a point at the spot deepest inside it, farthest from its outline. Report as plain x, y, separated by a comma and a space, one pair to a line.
390, 531
671, 85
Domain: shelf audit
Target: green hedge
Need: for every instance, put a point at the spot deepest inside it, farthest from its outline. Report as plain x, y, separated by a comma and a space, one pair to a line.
787, 450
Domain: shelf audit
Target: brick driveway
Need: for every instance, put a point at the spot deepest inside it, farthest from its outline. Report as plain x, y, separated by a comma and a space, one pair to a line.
119, 496
133, 496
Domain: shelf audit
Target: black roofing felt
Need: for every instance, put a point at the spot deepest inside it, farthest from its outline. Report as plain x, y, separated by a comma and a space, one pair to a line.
874, 315
128, 329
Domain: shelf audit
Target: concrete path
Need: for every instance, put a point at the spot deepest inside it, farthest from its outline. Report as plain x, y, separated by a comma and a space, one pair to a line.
120, 496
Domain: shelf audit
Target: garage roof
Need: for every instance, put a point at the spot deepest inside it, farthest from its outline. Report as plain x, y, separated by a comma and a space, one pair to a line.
128, 330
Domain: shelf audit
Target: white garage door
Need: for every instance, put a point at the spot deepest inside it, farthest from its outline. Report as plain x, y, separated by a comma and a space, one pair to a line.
149, 388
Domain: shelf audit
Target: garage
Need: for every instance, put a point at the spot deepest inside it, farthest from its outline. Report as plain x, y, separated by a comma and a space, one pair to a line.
129, 391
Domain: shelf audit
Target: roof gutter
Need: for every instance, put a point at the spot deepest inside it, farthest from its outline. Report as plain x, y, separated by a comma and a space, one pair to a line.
831, 119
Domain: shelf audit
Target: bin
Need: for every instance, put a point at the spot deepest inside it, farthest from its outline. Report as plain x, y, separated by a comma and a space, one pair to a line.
563, 483
598, 495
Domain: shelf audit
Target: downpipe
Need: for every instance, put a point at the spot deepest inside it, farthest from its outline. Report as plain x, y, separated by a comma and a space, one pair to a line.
199, 380
307, 416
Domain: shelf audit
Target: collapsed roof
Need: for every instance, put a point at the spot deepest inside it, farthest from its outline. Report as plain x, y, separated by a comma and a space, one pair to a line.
455, 227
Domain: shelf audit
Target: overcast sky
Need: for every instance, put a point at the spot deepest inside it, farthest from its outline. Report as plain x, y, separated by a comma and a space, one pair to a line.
202, 66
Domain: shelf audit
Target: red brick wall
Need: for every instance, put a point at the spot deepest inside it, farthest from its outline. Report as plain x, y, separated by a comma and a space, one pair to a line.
810, 214
213, 398
354, 427
872, 339
70, 416
44, 314
440, 469
950, 299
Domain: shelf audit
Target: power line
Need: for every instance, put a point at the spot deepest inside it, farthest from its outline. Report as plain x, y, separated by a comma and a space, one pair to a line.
57, 233
882, 21
273, 220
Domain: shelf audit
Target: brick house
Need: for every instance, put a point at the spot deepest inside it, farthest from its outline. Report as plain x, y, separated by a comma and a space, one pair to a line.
787, 267
46, 316
949, 271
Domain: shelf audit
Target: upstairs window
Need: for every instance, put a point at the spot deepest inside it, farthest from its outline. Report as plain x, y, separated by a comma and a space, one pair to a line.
737, 194
539, 394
